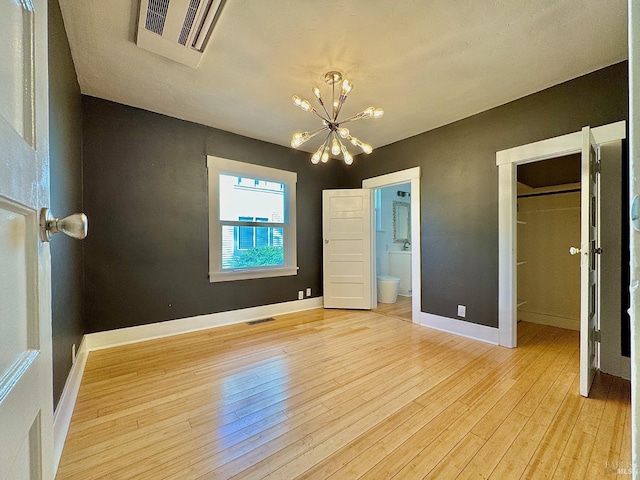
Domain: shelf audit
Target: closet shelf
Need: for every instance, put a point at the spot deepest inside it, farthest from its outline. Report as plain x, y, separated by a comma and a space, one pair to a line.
521, 263
521, 302
521, 222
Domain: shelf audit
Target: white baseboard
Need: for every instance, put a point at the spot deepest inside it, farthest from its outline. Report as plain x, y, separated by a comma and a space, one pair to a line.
140, 333
64, 409
460, 327
550, 320
123, 336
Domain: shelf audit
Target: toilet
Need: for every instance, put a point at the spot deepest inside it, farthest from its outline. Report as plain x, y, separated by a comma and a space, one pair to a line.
388, 289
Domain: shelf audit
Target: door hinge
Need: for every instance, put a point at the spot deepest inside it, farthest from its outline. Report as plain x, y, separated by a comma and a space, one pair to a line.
598, 166
596, 336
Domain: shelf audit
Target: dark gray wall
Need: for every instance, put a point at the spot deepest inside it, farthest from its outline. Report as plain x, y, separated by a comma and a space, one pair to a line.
459, 188
146, 197
65, 135
145, 193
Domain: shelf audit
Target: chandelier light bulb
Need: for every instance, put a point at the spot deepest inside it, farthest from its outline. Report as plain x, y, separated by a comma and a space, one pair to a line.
366, 148
296, 100
368, 112
298, 139
325, 154
316, 92
378, 112
315, 158
343, 132
335, 146
347, 86
348, 159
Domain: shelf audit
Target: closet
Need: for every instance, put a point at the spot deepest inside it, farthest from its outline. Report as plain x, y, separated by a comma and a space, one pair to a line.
548, 226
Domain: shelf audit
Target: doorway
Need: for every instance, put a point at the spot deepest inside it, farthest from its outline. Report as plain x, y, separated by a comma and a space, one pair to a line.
407, 183
393, 253
507, 161
548, 226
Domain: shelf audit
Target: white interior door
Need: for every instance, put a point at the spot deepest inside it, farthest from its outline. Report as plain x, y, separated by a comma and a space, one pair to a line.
589, 289
26, 408
346, 228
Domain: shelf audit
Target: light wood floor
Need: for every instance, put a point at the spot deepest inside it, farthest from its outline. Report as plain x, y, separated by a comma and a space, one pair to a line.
345, 395
401, 309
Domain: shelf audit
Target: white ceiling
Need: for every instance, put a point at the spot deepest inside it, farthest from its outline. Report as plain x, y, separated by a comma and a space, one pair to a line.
427, 63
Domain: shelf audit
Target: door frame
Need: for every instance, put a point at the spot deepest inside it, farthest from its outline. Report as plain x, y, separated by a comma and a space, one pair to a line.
507, 162
412, 176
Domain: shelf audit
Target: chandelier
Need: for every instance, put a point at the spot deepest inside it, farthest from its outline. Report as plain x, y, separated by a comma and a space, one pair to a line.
336, 131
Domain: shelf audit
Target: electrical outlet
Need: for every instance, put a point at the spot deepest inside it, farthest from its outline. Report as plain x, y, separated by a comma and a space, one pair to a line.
300, 295
309, 292
462, 310
73, 354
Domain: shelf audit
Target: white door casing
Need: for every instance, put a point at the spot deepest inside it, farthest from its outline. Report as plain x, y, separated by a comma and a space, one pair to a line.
26, 406
589, 243
412, 176
507, 161
346, 230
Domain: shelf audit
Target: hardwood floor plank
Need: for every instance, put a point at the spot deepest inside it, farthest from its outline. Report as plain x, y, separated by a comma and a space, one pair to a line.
339, 395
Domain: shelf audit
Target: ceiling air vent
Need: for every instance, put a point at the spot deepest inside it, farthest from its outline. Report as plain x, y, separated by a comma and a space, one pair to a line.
177, 29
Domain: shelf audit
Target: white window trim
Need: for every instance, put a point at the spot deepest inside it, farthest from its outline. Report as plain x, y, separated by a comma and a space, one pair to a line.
216, 166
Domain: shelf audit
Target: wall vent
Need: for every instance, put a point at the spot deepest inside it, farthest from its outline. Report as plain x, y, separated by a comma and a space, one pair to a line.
262, 320
156, 14
177, 29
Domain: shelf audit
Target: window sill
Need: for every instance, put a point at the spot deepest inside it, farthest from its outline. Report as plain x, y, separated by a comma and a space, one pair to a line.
249, 274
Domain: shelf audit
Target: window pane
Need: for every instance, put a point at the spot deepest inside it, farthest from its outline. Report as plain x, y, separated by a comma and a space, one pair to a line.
245, 238
238, 250
245, 197
262, 236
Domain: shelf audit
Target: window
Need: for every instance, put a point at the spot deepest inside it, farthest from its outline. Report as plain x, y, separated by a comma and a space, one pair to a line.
252, 212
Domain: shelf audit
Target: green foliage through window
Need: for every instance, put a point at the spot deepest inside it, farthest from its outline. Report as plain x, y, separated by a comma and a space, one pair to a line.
257, 257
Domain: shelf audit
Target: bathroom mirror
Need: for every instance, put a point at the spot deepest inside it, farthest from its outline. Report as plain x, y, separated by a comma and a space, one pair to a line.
401, 222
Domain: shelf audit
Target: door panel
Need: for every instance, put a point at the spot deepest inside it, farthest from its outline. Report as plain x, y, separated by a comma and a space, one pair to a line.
589, 291
347, 248
26, 407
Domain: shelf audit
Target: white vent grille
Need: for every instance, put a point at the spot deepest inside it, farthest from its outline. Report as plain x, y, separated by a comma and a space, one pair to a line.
177, 29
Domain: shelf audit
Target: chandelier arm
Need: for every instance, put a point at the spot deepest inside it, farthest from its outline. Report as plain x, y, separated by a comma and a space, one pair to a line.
333, 101
320, 116
325, 110
341, 100
351, 119
317, 131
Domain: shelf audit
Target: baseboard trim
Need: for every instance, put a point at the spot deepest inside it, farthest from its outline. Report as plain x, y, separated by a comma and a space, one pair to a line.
67, 402
549, 320
124, 336
460, 327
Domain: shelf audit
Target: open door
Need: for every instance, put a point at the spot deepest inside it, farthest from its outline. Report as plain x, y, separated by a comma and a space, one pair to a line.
346, 228
26, 407
589, 288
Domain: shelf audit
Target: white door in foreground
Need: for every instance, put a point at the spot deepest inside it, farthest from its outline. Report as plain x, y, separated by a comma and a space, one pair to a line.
589, 251
26, 409
346, 228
